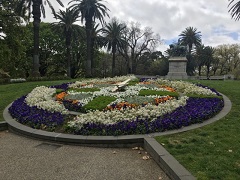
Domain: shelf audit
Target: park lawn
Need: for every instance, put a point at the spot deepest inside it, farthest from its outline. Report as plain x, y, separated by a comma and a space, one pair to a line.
10, 92
213, 151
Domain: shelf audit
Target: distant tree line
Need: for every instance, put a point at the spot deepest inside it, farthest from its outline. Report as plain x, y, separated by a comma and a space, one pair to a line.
33, 49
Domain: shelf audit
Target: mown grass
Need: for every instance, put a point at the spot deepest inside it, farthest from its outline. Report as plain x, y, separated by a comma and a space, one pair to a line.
99, 103
10, 92
213, 151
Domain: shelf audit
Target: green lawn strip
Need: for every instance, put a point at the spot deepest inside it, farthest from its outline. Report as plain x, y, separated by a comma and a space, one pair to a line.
211, 152
84, 89
99, 103
159, 93
203, 96
10, 92
133, 83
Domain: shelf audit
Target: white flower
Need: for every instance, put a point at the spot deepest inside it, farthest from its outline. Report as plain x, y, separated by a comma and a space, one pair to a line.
42, 98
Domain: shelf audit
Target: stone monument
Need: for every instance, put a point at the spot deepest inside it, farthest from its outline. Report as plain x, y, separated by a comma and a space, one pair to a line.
177, 62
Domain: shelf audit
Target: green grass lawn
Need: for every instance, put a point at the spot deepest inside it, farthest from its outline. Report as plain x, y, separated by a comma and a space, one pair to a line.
210, 152
10, 92
213, 151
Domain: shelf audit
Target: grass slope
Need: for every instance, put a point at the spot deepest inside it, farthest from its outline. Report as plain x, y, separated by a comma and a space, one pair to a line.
213, 151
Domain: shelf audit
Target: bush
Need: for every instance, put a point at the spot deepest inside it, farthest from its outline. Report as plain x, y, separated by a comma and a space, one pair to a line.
4, 80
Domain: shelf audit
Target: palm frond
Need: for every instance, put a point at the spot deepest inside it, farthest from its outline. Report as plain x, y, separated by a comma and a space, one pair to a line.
234, 9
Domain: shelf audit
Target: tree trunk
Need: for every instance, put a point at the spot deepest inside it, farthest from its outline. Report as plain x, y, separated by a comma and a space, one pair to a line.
199, 70
113, 60
68, 53
89, 46
68, 61
208, 70
92, 54
36, 23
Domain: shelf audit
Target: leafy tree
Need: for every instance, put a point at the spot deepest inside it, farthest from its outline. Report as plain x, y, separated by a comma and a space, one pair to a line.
34, 7
113, 33
227, 58
12, 45
153, 63
138, 41
66, 24
90, 10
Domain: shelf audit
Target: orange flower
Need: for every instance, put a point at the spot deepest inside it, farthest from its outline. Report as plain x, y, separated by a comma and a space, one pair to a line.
145, 82
168, 88
60, 96
162, 99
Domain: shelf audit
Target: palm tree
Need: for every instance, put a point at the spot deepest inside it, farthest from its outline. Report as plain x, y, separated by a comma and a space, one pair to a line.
209, 57
234, 9
189, 37
114, 39
90, 10
205, 57
67, 18
36, 6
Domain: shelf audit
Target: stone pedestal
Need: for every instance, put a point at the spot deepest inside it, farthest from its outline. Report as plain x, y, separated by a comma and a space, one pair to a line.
177, 68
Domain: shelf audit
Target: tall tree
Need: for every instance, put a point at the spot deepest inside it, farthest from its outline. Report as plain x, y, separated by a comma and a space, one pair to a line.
209, 57
67, 19
228, 57
36, 7
113, 33
234, 9
12, 41
90, 10
199, 56
189, 37
139, 40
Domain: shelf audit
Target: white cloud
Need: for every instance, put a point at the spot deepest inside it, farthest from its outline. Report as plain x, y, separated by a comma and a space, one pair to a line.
170, 18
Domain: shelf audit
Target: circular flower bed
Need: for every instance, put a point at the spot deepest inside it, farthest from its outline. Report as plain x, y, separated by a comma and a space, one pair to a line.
117, 106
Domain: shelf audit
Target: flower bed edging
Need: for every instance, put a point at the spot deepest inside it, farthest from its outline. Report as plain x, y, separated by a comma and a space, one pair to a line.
123, 139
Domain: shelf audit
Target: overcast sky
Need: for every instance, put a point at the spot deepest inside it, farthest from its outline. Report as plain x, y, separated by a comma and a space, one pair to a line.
169, 18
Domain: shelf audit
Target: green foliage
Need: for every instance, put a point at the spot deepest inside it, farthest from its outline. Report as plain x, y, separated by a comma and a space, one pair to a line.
84, 89
203, 96
12, 45
159, 93
132, 83
154, 63
139, 100
99, 103
48, 78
